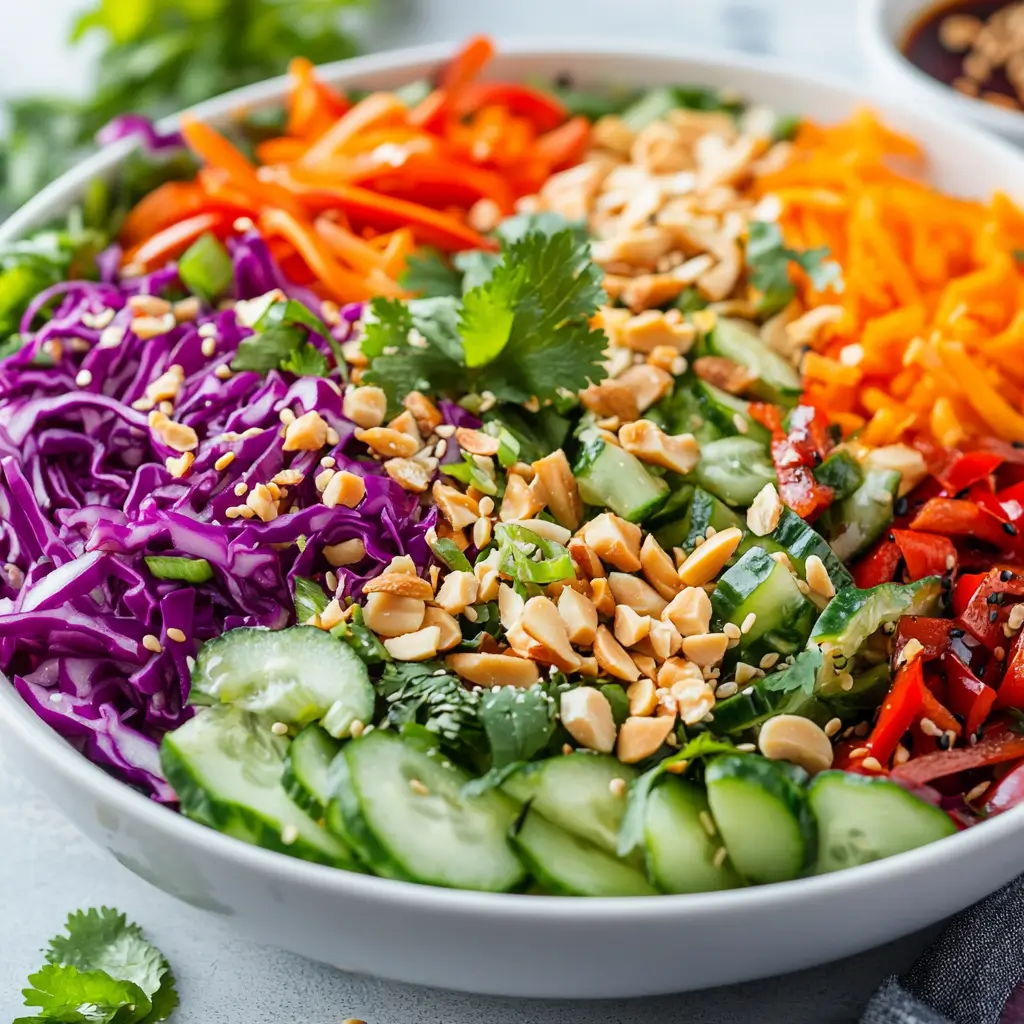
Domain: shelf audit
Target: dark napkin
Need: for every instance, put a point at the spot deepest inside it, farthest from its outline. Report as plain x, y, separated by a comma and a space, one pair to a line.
973, 974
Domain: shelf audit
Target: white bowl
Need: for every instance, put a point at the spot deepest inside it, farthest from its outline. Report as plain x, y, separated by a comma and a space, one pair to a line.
883, 24
531, 945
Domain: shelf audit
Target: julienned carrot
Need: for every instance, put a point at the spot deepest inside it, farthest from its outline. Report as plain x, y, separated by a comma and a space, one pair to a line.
172, 241
314, 106
376, 108
432, 111
349, 247
165, 205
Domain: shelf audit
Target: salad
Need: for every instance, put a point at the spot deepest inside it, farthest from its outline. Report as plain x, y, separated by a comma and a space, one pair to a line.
518, 488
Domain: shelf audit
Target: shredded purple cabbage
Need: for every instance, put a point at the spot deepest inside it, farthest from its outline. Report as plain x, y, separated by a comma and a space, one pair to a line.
87, 633
127, 125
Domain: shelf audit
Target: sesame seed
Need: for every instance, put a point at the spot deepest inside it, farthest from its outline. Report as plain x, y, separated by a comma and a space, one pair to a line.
872, 764
224, 461
240, 488
286, 416
328, 462
486, 505
208, 347
979, 790
740, 423
355, 730
417, 787
332, 436
929, 728
471, 614
769, 660
726, 690
289, 834
567, 749
860, 751
207, 330
151, 643
279, 729
833, 726
707, 823
902, 755
83, 378
748, 623
177, 635
243, 224
442, 447
222, 372
331, 579
731, 630
846, 681
444, 430
56, 698
719, 858
746, 748
617, 787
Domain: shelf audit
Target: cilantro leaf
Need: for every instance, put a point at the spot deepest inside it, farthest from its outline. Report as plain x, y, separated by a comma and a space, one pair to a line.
801, 674
310, 598
477, 266
518, 723
66, 995
768, 260
281, 342
430, 275
305, 361
631, 834
545, 222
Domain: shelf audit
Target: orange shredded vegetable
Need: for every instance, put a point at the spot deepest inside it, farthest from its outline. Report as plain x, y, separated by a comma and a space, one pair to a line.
931, 329
350, 190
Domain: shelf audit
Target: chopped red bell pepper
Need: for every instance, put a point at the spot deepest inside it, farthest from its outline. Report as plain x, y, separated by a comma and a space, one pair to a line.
965, 588
899, 710
968, 696
926, 554
988, 608
1011, 689
938, 714
957, 517
1003, 746
932, 634
768, 415
543, 109
879, 565
1007, 793
984, 497
969, 468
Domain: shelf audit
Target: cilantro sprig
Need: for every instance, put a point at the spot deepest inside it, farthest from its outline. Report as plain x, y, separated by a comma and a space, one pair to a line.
522, 332
102, 970
768, 260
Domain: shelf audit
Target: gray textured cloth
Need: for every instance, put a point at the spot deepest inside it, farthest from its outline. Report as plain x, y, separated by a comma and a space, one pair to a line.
973, 974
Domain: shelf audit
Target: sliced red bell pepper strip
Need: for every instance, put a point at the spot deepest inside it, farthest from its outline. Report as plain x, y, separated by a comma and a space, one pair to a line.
964, 589
1007, 793
956, 517
968, 696
544, 110
969, 468
926, 554
459, 72
879, 565
1011, 689
899, 710
565, 145
933, 709
173, 241
988, 609
1003, 746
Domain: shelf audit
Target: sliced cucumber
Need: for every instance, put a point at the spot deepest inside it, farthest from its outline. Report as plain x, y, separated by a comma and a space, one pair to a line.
566, 865
861, 819
756, 703
681, 853
609, 477
729, 414
783, 617
800, 541
307, 768
734, 469
762, 815
297, 675
226, 765
676, 507
842, 472
406, 815
854, 524
865, 694
574, 793
777, 380
705, 510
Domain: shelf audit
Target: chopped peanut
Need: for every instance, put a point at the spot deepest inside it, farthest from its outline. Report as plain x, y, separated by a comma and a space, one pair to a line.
488, 578
907, 461
614, 540
644, 439
428, 416
640, 248
494, 669
630, 627
665, 640
418, 646
521, 500
179, 466
344, 488
694, 698
175, 435
459, 509
585, 559
818, 578
724, 373
389, 443
641, 737
348, 552
579, 615
601, 594
706, 649
365, 406
559, 489
611, 398
401, 563
709, 559
449, 630
476, 442
390, 615
658, 568
510, 606
660, 149
654, 329
458, 592
633, 592
764, 512
647, 384
306, 433
410, 474
611, 132
678, 672
797, 740
405, 423
167, 385
262, 502
689, 611
540, 619
612, 657
587, 717
401, 583
643, 698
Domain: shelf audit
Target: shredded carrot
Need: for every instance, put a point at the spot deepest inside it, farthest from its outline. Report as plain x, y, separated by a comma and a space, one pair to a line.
933, 291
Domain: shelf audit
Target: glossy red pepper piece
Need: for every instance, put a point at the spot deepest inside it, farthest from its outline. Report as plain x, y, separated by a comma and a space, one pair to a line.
899, 710
965, 588
926, 554
1007, 793
968, 696
933, 709
879, 565
990, 605
1011, 690
932, 634
957, 517
543, 109
1003, 746
969, 468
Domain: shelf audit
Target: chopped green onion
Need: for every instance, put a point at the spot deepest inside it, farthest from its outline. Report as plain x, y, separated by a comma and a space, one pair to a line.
470, 474
310, 599
205, 268
529, 558
447, 551
178, 567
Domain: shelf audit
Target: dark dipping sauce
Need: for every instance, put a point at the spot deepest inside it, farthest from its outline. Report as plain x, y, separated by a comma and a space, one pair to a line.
923, 47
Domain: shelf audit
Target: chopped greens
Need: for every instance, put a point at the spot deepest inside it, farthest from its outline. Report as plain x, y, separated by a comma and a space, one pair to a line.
177, 567
529, 558
768, 260
205, 268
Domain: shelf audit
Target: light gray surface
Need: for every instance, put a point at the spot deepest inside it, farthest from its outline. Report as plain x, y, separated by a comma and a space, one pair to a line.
46, 869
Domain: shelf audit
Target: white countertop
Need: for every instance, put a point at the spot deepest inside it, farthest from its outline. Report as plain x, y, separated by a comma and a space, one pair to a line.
47, 869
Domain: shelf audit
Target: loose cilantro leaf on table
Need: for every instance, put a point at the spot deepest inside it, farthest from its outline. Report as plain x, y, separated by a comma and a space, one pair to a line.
768, 260
102, 970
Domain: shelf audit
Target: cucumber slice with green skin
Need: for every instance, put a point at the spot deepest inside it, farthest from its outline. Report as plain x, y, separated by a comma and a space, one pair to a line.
762, 815
777, 380
705, 510
307, 766
800, 541
853, 525
842, 472
854, 615
573, 792
680, 852
684, 412
734, 469
226, 765
783, 616
566, 865
862, 819
609, 477
867, 693
755, 704
297, 675
405, 813
726, 411
676, 507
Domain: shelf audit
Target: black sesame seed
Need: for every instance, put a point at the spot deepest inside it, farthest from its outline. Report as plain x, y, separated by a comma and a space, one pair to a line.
995, 598
1006, 575
1018, 444
943, 741
901, 506
892, 538
993, 616
956, 633
962, 493
1010, 529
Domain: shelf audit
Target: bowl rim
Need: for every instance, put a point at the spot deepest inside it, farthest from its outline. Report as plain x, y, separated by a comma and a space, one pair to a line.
17, 718
882, 47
